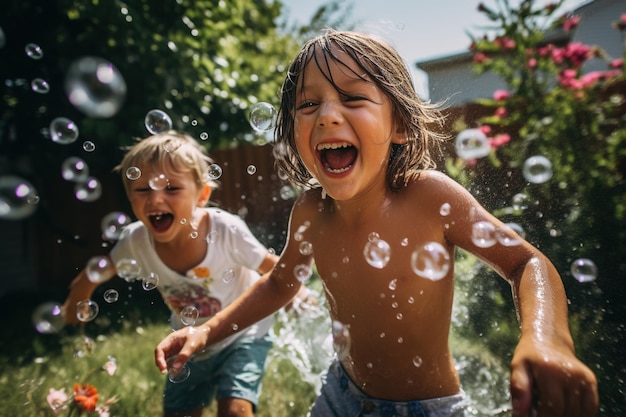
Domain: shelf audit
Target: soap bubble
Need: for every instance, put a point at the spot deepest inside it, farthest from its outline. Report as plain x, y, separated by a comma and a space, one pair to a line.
176, 376
158, 182
484, 234
150, 282
520, 201
262, 117
341, 339
39, 85
74, 169
33, 51
113, 223
504, 236
18, 198
63, 131
377, 253
537, 169
472, 144
189, 315
133, 173
111, 295
584, 270
228, 275
89, 190
302, 272
157, 121
87, 310
128, 269
89, 146
251, 170
444, 210
99, 269
48, 318
306, 248
95, 87
431, 261
215, 171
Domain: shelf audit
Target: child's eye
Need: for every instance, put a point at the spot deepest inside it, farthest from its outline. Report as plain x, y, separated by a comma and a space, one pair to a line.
306, 105
353, 98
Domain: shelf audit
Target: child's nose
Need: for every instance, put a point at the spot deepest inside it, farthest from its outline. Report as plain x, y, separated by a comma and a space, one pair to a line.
329, 114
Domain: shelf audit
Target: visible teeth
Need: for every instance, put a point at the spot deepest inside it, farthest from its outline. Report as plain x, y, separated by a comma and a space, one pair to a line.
337, 171
324, 146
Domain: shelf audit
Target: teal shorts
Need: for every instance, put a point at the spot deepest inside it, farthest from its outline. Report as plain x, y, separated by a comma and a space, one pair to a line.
234, 372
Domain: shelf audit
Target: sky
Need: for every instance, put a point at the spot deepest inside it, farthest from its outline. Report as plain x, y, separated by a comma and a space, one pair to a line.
420, 30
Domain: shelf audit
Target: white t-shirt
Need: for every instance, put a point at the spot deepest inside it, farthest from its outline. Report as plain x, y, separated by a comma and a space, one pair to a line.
228, 269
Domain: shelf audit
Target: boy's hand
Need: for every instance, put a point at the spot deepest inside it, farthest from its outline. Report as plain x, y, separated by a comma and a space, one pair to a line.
549, 381
181, 344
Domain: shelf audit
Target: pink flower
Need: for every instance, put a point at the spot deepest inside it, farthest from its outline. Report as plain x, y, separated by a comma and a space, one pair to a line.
501, 112
480, 57
110, 366
571, 23
486, 129
57, 400
499, 140
531, 63
504, 42
500, 95
617, 63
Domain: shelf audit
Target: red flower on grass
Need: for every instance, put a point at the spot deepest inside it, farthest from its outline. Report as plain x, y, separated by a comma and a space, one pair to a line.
86, 396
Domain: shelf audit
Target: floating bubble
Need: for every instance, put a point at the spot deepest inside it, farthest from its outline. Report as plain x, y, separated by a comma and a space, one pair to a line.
472, 144
417, 361
431, 261
171, 145
179, 375
157, 121
520, 201
74, 169
63, 131
228, 275
484, 234
39, 85
48, 318
113, 223
377, 253
89, 190
204, 136
584, 270
18, 198
95, 87
537, 169
302, 272
99, 269
87, 310
111, 295
128, 269
133, 173
306, 248
251, 170
189, 315
158, 182
89, 146
215, 171
287, 192
33, 51
506, 238
150, 282
341, 339
262, 117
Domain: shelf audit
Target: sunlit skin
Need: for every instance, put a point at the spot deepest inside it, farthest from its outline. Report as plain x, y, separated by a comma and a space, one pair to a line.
173, 244
399, 333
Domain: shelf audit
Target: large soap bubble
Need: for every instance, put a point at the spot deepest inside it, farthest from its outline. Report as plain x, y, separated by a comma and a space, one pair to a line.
63, 131
95, 87
157, 121
48, 318
472, 144
262, 117
18, 198
537, 169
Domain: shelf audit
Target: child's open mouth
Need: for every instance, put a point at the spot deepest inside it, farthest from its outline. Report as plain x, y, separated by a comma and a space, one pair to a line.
161, 222
337, 157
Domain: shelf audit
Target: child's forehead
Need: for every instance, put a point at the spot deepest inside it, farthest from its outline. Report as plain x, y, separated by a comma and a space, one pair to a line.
336, 66
165, 169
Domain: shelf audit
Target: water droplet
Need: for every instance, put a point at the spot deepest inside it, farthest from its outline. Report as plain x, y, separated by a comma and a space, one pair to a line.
302, 272
95, 87
584, 270
262, 117
444, 210
520, 201
157, 121
537, 169
306, 248
417, 361
431, 261
341, 339
472, 144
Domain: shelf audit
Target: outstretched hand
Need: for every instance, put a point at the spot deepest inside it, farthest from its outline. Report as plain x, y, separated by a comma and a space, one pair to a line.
181, 345
549, 381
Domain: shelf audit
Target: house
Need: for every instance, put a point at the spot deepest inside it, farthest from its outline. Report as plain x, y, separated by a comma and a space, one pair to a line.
452, 78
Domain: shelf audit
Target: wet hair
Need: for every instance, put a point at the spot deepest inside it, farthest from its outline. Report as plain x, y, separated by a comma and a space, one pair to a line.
167, 152
379, 63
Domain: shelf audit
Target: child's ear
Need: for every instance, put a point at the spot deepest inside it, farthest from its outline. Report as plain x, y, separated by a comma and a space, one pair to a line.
398, 135
204, 195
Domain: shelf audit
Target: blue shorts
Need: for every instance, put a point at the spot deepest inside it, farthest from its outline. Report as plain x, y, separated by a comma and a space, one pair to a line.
340, 397
234, 372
